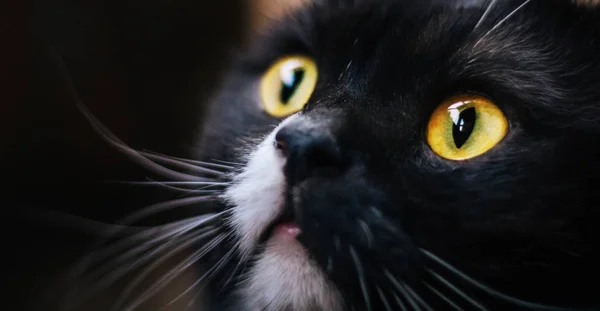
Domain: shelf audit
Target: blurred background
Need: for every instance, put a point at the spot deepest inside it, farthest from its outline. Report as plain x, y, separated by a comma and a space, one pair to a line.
144, 69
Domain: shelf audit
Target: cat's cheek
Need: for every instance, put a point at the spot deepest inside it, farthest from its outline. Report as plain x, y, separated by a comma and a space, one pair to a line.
257, 193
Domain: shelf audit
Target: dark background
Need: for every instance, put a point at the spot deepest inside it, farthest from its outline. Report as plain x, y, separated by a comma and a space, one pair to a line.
143, 67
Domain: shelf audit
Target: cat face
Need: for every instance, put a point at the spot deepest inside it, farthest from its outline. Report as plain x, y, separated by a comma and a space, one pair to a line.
411, 155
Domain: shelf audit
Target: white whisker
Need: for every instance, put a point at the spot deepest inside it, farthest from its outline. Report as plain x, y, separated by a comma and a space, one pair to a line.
456, 290
180, 164
195, 162
184, 243
168, 277
367, 231
443, 297
418, 298
489, 290
138, 250
361, 277
402, 290
386, 304
509, 15
400, 303
206, 276
487, 11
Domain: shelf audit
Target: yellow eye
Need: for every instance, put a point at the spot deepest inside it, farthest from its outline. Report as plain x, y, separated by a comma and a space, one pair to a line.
465, 126
287, 85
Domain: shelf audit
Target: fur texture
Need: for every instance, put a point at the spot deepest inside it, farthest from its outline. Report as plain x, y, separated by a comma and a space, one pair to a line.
386, 223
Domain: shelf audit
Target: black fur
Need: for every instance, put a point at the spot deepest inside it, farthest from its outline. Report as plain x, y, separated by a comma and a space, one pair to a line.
522, 218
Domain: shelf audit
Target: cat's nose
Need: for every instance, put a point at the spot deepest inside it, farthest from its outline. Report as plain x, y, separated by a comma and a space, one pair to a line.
309, 151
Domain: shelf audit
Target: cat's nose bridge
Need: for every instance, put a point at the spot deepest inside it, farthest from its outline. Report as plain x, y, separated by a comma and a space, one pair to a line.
309, 147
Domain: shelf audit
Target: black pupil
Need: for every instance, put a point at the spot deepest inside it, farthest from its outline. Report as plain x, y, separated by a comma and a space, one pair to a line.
463, 127
289, 87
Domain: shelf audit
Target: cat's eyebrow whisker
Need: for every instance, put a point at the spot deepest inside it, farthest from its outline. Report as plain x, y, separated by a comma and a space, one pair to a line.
488, 290
488, 9
194, 162
168, 277
443, 297
361, 277
498, 24
402, 290
457, 291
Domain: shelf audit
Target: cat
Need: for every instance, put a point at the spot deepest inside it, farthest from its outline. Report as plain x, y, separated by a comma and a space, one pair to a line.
406, 155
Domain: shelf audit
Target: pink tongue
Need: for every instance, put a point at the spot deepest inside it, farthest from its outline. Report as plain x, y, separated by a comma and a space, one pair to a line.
288, 229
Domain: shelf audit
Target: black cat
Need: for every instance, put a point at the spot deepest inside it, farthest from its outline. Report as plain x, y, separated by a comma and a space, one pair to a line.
407, 155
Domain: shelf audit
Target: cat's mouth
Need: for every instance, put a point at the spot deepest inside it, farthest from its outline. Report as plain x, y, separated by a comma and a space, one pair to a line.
284, 224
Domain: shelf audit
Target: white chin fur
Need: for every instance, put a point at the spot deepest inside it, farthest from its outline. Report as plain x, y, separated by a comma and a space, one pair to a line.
283, 277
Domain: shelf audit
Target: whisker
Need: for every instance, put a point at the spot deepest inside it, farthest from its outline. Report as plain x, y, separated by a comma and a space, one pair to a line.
233, 273
235, 164
489, 290
207, 276
106, 134
141, 160
386, 304
509, 15
187, 191
400, 303
367, 231
443, 297
137, 251
162, 232
456, 290
96, 255
78, 223
361, 277
487, 11
418, 298
179, 163
178, 183
402, 290
168, 277
165, 206
184, 243
195, 162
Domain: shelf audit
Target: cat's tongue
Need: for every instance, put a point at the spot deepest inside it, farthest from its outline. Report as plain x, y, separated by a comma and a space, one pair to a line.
287, 229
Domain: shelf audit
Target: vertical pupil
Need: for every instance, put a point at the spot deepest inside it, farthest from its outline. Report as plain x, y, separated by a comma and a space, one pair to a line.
463, 126
290, 85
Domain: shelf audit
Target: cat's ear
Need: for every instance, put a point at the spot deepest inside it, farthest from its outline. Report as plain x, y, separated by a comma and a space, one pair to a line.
265, 11
591, 4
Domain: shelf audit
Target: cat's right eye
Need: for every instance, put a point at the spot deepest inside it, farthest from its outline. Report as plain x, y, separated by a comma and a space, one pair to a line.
288, 84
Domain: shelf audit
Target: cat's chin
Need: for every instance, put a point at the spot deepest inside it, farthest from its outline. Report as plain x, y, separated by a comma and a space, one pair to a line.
284, 277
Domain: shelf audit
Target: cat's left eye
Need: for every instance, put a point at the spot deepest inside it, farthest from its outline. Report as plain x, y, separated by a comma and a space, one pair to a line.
288, 84
465, 126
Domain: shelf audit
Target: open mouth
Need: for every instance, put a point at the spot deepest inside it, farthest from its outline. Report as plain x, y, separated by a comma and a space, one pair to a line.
284, 223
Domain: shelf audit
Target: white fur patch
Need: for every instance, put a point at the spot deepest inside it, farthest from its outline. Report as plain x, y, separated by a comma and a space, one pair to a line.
257, 193
283, 277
